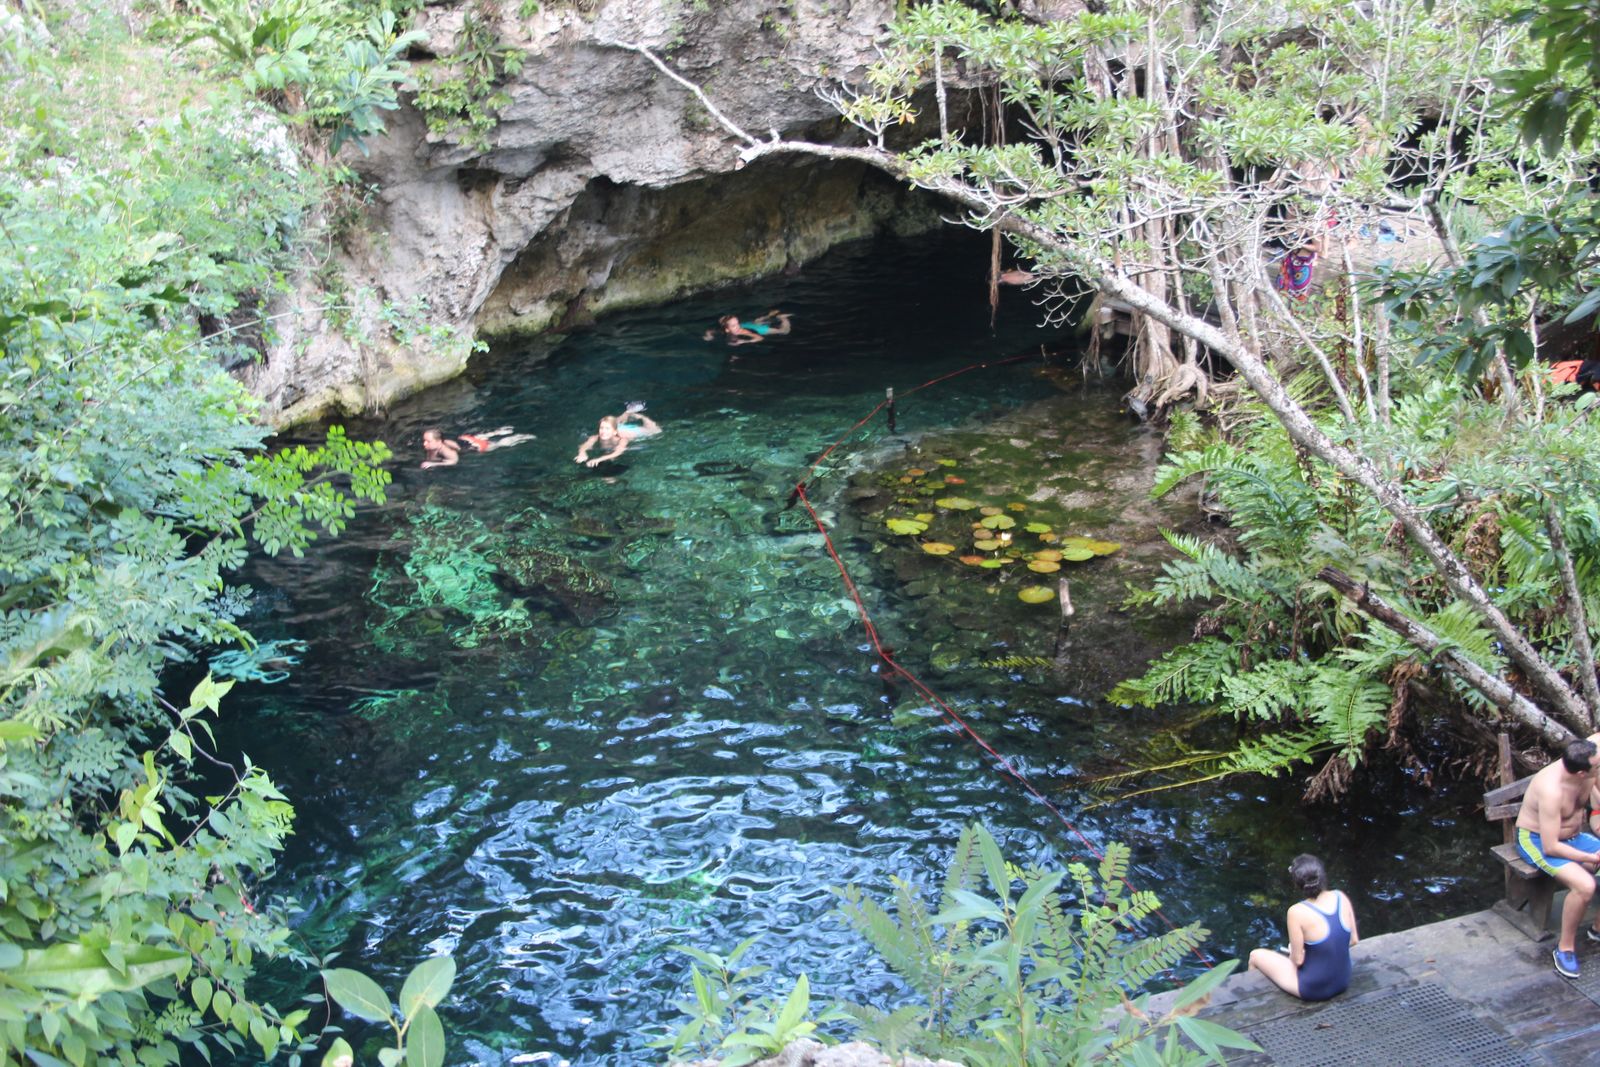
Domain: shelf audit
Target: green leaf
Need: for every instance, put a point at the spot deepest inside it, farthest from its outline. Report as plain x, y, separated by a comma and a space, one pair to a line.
358, 995
794, 1008
425, 1038
427, 984
339, 1054
84, 972
16, 730
201, 990
391, 1057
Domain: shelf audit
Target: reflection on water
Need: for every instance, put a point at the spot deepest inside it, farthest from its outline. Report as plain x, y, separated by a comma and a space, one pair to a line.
557, 720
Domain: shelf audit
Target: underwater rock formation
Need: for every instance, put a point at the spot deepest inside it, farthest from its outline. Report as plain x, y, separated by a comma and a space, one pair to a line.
539, 574
604, 185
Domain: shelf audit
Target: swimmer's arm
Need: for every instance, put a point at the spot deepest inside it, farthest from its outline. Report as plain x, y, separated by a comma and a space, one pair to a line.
622, 446
449, 454
583, 449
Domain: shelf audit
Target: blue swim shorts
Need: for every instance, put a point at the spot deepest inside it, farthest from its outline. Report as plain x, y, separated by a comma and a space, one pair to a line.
1533, 852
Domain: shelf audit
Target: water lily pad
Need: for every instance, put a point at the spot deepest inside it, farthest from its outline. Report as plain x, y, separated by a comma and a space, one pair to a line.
937, 548
1102, 548
923, 516
972, 561
989, 511
1017, 505
988, 545
991, 564
956, 503
1076, 541
908, 526
1037, 527
1044, 566
1076, 555
999, 522
916, 472
946, 462
1047, 554
906, 479
1049, 538
951, 479
1035, 594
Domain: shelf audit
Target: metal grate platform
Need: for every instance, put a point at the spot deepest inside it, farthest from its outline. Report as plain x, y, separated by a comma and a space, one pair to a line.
1589, 984
1416, 1025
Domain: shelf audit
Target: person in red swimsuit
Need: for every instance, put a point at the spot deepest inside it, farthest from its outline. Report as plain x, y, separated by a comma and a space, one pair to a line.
443, 452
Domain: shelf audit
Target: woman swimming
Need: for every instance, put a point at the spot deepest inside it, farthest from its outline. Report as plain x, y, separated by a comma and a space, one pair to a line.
615, 432
772, 324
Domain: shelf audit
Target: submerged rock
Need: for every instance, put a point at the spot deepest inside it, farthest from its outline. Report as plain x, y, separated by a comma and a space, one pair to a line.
540, 574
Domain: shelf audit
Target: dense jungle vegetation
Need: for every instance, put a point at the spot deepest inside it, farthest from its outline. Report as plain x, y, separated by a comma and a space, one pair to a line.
1416, 508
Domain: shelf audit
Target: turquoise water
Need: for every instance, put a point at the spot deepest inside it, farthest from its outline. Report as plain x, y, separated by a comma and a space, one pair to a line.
683, 735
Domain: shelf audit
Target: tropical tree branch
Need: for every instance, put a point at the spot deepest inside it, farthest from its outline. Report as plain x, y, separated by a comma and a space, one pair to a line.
1496, 689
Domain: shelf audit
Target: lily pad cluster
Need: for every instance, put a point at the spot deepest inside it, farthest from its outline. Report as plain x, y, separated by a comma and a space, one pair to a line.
983, 535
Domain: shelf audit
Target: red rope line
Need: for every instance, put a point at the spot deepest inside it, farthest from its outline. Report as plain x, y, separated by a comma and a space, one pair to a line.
887, 655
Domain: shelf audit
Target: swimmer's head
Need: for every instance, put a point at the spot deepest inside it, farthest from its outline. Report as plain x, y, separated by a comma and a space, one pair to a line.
729, 323
608, 425
432, 436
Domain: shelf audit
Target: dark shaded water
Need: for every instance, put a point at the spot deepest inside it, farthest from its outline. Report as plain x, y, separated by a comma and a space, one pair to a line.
695, 743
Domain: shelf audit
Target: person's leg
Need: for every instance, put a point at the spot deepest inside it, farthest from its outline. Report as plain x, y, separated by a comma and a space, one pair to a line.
780, 324
1580, 890
1278, 968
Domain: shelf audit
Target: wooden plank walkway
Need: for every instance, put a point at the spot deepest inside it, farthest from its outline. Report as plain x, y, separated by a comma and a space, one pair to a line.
1474, 991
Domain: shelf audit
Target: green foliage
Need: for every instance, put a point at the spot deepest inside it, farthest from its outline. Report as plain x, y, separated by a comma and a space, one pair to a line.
460, 100
135, 479
726, 1018
325, 61
418, 1034
1009, 972
1276, 648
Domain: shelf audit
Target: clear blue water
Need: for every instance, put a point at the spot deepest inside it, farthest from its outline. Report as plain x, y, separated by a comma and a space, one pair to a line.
694, 742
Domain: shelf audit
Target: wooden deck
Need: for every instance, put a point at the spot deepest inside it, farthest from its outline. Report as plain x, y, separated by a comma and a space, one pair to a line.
1474, 991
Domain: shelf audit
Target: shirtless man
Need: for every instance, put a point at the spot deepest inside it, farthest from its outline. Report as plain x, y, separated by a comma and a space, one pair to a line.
614, 434
1550, 835
443, 452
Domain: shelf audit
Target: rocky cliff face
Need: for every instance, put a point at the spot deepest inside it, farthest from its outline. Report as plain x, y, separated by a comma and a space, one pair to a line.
605, 185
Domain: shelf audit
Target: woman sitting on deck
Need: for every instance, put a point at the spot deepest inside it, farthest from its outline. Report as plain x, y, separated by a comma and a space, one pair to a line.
1322, 930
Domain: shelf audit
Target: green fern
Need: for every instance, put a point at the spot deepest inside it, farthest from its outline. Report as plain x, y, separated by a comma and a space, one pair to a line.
1023, 979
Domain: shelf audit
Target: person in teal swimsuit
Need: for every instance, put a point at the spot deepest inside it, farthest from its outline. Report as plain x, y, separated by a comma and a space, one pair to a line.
771, 324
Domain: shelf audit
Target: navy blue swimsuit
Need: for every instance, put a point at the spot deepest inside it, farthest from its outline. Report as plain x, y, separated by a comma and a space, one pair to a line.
1326, 970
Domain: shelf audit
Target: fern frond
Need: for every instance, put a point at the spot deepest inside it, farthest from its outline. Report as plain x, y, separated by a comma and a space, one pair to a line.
1348, 706
1191, 673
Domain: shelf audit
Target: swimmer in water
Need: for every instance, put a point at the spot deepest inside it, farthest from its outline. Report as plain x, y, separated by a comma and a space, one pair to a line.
772, 324
615, 432
443, 452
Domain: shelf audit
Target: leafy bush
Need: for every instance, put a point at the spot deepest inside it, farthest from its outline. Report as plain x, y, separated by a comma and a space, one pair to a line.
319, 59
135, 479
1002, 980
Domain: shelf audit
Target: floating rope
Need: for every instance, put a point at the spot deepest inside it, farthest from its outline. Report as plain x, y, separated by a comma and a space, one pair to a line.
887, 655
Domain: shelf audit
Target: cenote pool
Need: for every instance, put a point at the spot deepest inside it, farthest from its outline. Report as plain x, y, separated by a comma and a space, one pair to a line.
675, 731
